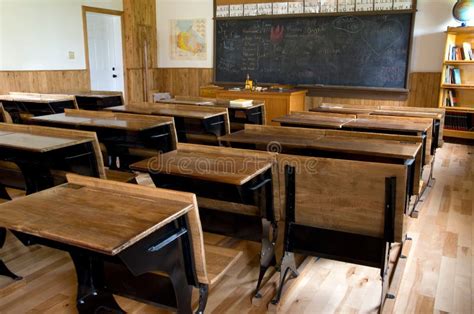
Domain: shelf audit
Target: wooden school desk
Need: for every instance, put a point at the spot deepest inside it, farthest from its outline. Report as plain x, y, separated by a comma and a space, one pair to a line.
129, 137
42, 152
360, 223
437, 114
194, 124
109, 228
98, 100
42, 156
314, 120
235, 190
404, 150
366, 123
22, 106
397, 125
438, 122
254, 114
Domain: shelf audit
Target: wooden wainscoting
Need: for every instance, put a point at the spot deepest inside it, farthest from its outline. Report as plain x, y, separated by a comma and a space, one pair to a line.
424, 88
185, 81
424, 92
44, 81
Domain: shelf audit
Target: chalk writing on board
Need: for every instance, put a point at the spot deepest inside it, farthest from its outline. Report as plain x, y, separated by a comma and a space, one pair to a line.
369, 51
350, 24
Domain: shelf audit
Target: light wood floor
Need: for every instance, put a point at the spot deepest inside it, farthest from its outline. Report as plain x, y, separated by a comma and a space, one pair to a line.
438, 276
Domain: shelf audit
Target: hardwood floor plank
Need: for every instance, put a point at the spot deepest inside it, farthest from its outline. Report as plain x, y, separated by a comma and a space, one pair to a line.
444, 300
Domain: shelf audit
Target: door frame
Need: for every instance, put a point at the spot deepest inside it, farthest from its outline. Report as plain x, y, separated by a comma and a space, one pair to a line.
86, 9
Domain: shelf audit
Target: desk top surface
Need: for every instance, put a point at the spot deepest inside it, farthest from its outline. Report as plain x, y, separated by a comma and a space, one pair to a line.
382, 112
341, 144
268, 92
380, 123
131, 123
37, 143
343, 110
104, 221
33, 100
201, 101
183, 111
402, 113
93, 94
312, 119
203, 165
385, 110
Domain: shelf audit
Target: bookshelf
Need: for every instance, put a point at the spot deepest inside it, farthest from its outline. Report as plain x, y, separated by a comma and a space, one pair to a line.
457, 83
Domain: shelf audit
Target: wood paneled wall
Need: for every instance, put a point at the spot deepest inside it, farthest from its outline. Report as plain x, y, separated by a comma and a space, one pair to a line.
140, 31
424, 88
43, 81
185, 81
424, 92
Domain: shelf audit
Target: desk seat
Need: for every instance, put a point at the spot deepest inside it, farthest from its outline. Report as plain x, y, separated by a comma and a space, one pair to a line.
218, 261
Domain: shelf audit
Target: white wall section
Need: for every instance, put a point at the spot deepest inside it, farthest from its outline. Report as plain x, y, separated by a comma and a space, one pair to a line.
39, 34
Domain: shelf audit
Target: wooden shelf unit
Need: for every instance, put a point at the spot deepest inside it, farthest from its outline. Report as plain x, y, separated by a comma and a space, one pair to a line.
457, 86
459, 62
459, 119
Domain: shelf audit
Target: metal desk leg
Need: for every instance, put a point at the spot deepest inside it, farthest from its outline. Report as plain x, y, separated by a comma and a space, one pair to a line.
203, 294
288, 264
287, 269
267, 252
263, 192
91, 294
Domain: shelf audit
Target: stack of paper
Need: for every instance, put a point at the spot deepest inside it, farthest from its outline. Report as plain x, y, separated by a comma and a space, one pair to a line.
241, 103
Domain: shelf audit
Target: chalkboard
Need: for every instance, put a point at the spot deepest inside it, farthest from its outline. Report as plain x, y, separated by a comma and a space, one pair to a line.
362, 51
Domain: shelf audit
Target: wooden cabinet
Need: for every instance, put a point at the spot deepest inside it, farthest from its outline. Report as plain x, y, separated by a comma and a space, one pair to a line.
277, 103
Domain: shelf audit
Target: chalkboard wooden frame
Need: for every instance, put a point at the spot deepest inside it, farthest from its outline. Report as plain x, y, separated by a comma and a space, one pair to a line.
333, 90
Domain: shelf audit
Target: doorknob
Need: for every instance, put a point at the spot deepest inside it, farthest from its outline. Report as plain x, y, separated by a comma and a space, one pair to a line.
114, 75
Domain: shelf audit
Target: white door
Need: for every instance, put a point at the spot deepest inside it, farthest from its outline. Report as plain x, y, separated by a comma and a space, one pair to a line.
104, 35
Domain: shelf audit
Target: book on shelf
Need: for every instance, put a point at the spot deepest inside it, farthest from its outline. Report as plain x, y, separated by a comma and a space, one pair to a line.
452, 75
458, 121
458, 53
451, 100
467, 48
457, 76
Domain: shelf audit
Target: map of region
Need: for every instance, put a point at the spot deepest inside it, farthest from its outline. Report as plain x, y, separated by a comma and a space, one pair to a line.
188, 39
